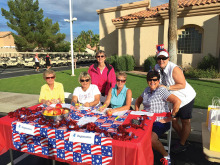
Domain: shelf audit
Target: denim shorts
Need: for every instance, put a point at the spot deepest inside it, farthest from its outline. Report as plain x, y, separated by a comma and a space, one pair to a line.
160, 128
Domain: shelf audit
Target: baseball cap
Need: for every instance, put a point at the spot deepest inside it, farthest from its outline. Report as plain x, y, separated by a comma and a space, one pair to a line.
163, 53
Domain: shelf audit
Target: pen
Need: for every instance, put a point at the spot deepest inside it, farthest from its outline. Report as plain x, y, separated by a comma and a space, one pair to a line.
116, 117
101, 107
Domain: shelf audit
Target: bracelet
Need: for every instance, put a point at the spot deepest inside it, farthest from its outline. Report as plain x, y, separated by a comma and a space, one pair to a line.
173, 116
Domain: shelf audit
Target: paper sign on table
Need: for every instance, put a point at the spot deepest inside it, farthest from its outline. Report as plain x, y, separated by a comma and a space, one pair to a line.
84, 120
82, 137
120, 113
25, 128
99, 112
141, 113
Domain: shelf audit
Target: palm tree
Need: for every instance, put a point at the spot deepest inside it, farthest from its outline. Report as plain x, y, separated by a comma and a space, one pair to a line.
90, 35
172, 31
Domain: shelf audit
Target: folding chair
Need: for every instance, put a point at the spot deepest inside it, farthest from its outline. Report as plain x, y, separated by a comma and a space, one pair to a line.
102, 99
68, 97
167, 141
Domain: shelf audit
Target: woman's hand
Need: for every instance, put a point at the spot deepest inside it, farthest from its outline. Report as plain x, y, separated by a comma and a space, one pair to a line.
109, 112
166, 120
77, 105
54, 101
102, 108
48, 102
162, 86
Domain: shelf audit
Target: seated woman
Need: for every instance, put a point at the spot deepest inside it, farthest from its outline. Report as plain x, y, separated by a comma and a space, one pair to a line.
52, 92
120, 96
87, 94
154, 99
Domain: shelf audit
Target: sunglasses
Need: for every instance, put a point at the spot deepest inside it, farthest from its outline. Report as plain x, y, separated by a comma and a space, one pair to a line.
47, 78
162, 58
100, 56
118, 80
86, 80
152, 79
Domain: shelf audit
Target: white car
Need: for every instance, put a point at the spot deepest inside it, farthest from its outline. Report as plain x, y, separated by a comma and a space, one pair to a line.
14, 61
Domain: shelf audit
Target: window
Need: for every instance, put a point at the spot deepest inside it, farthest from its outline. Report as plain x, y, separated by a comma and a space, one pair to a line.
190, 41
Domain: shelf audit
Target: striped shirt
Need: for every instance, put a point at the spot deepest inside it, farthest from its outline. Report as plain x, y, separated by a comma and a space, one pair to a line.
156, 101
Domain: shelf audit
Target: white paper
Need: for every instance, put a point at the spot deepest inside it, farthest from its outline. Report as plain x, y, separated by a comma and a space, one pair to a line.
84, 108
82, 137
53, 105
84, 120
141, 113
120, 113
99, 112
25, 128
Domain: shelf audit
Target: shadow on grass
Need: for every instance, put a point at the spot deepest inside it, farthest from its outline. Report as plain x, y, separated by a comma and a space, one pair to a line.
205, 81
136, 75
69, 74
198, 106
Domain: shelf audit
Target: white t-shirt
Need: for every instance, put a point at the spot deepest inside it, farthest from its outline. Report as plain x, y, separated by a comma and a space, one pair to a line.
88, 95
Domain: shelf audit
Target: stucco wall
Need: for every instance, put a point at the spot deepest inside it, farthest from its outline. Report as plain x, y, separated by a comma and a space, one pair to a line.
140, 42
7, 41
108, 34
210, 26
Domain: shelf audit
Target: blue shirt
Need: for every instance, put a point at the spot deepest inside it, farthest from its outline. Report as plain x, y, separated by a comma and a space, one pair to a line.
120, 100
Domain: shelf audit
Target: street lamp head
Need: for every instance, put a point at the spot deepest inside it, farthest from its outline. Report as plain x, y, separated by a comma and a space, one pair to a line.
66, 20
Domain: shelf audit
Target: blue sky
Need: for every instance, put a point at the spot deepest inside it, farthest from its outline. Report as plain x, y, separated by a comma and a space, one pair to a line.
83, 10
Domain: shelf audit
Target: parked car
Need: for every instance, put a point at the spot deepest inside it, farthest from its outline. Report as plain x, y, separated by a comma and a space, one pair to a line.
3, 63
14, 61
29, 62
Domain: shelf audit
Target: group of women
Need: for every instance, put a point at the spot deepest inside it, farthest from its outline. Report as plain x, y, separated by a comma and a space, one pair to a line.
166, 85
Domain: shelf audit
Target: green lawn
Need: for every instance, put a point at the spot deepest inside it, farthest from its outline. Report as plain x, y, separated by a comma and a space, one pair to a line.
205, 89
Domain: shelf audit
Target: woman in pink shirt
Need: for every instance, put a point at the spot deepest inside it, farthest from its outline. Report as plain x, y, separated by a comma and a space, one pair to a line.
102, 74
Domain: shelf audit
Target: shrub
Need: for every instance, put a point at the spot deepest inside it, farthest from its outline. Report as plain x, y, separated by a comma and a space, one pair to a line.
130, 63
208, 62
199, 73
112, 60
149, 63
122, 63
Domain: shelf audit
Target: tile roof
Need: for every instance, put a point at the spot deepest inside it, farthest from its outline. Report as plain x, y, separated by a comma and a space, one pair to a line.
153, 11
3, 34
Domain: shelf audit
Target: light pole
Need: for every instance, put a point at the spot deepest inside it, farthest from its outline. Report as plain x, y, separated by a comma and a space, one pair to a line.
71, 34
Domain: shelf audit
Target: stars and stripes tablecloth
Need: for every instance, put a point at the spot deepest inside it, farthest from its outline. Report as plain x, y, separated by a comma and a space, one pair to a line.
55, 142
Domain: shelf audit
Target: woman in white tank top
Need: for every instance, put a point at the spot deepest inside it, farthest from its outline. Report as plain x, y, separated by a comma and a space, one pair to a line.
173, 79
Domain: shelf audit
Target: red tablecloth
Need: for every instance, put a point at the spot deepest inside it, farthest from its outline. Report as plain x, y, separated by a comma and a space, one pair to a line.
135, 152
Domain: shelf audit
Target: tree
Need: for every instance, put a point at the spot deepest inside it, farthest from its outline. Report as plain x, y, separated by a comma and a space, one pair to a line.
80, 42
63, 46
26, 19
172, 31
90, 35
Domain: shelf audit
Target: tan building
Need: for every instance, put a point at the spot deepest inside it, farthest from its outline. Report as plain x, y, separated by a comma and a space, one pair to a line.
136, 29
7, 42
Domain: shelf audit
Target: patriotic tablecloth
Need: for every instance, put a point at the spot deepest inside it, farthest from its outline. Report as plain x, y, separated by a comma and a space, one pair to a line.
53, 143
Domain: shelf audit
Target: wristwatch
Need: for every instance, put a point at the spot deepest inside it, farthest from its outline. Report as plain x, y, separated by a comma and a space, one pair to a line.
168, 87
173, 116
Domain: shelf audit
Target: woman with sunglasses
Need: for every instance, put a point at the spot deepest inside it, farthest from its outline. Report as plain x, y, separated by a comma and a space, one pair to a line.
173, 79
102, 74
52, 92
87, 94
120, 96
154, 99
